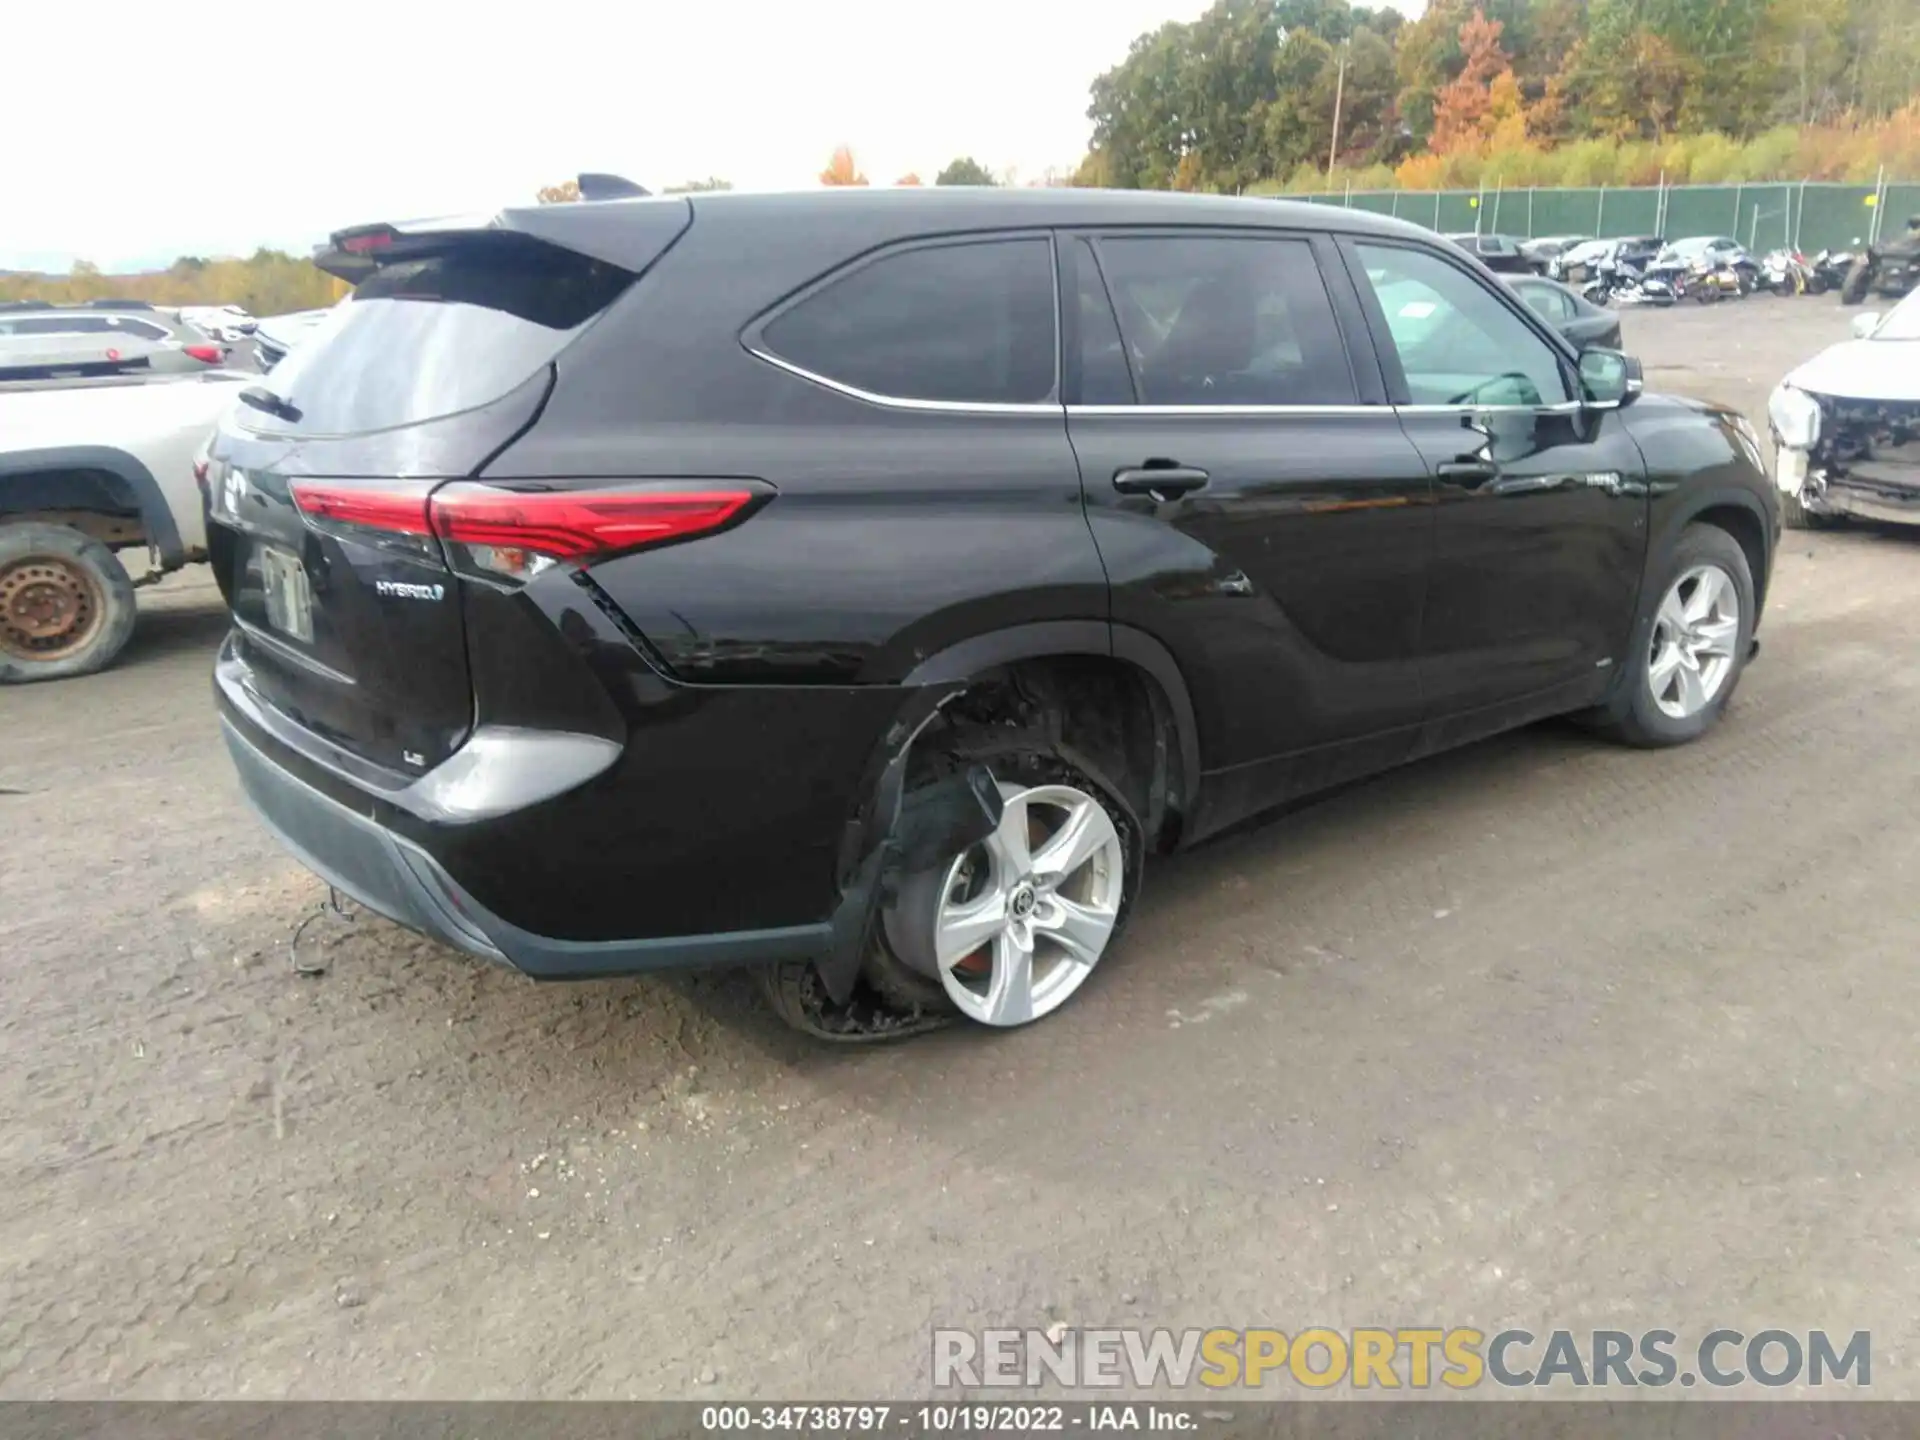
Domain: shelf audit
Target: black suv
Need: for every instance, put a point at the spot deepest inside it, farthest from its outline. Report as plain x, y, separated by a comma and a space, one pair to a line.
862, 584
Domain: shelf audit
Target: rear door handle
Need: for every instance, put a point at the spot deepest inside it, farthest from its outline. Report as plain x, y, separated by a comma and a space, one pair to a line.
1468, 473
1163, 482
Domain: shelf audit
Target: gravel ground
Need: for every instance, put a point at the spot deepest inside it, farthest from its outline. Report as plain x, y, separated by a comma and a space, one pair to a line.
1543, 1032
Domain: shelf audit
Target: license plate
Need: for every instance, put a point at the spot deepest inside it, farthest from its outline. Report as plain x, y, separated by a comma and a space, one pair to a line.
289, 600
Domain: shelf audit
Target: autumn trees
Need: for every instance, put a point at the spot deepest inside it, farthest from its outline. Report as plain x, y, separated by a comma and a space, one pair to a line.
841, 169
964, 171
1246, 93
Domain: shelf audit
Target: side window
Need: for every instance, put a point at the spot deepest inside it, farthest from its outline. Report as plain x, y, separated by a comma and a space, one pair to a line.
1457, 343
1549, 304
969, 323
51, 325
1227, 320
1105, 378
145, 329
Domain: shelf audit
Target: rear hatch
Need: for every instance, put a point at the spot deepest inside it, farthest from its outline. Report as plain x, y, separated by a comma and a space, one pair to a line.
347, 616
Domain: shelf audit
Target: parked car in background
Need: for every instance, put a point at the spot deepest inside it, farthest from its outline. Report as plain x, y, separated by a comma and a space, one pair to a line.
1496, 252
917, 641
1706, 265
1582, 322
93, 472
1890, 268
230, 323
1544, 250
277, 334
50, 341
1846, 425
1583, 261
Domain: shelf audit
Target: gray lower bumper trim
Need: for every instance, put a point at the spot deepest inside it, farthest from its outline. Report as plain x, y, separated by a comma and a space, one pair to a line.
1890, 505
395, 878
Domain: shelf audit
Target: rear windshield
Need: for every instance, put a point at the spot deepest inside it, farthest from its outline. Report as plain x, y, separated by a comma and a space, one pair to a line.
436, 334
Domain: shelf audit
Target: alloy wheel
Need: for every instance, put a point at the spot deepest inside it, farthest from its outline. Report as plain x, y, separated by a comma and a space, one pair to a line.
1695, 632
1024, 916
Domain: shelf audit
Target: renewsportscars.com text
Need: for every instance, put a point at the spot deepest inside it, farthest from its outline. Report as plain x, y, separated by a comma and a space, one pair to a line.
1415, 1358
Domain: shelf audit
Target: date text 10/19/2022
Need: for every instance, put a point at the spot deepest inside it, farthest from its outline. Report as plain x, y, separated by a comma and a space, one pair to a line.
969, 1419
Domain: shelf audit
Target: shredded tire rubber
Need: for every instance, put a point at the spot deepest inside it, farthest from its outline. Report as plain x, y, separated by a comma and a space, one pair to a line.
795, 991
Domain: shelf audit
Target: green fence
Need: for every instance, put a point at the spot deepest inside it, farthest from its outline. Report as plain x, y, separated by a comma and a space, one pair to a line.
1808, 216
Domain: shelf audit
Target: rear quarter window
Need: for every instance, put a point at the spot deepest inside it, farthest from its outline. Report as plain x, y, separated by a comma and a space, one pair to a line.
967, 323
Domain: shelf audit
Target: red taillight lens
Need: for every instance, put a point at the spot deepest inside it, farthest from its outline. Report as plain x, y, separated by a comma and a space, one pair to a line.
401, 511
206, 354
366, 242
514, 534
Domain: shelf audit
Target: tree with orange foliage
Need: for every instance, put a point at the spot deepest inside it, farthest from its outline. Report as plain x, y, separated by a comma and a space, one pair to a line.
1463, 111
910, 178
564, 193
841, 169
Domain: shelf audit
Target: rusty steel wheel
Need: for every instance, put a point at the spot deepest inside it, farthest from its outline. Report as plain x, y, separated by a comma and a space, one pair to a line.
66, 604
50, 607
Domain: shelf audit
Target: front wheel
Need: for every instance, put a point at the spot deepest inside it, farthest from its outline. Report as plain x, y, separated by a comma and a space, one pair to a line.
1689, 643
66, 604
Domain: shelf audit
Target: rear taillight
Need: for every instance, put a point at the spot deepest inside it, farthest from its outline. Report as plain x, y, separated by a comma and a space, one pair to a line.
513, 535
205, 354
401, 512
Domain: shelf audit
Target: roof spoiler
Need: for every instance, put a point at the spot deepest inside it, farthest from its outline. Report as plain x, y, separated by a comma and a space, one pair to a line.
627, 235
609, 187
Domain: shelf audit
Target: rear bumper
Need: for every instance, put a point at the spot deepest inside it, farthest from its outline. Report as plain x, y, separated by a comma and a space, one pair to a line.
394, 877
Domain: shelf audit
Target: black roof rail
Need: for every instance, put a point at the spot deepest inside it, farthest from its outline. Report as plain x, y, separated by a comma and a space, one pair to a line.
115, 305
594, 186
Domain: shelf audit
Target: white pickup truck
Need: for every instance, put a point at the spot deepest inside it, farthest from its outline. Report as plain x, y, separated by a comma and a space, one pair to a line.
91, 472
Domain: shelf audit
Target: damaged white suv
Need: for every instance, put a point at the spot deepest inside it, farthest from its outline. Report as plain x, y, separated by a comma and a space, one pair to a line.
1846, 426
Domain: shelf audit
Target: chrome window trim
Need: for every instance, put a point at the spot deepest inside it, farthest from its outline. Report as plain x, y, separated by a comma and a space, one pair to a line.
1049, 407
1565, 407
900, 402
1230, 410
1570, 408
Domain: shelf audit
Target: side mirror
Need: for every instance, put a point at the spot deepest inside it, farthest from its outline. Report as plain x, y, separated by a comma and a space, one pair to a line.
1865, 323
1608, 379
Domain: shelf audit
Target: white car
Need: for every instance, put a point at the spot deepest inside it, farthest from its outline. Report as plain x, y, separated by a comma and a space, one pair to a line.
222, 322
1846, 425
278, 334
93, 473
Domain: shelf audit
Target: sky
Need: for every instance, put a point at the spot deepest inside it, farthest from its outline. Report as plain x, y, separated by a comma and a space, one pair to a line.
241, 123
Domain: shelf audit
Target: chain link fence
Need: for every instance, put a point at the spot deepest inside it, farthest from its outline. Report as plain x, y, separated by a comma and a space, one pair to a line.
1806, 215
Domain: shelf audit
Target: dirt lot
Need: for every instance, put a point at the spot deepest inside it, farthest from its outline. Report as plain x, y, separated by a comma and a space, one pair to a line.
1544, 1033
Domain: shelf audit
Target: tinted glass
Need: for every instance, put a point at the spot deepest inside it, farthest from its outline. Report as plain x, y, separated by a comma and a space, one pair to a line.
1104, 375
438, 334
1217, 320
1550, 304
969, 323
61, 325
1458, 343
